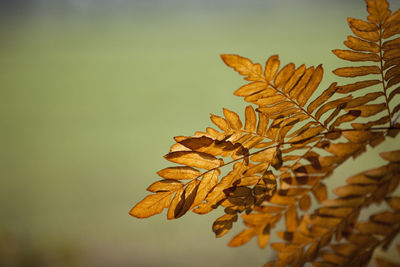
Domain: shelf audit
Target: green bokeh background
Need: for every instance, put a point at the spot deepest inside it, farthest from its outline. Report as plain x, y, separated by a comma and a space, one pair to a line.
91, 96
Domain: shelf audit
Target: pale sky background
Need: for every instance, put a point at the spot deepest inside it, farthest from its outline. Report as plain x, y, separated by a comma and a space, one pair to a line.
92, 93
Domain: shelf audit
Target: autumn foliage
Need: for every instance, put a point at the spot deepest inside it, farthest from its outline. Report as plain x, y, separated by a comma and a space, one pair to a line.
290, 141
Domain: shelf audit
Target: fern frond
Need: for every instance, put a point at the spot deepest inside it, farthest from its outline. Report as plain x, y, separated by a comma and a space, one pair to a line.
375, 42
338, 216
290, 141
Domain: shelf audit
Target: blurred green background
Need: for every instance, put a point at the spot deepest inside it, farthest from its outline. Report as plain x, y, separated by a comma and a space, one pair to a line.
92, 93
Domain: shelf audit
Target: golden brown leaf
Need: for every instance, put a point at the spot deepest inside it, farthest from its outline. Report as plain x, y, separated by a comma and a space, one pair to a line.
392, 156
369, 110
354, 190
369, 36
343, 149
278, 108
320, 192
301, 180
362, 126
350, 116
393, 19
335, 211
243, 66
305, 203
361, 179
251, 88
258, 168
207, 145
214, 134
253, 141
391, 44
363, 99
271, 68
356, 71
262, 102
361, 45
345, 249
279, 199
242, 238
391, 31
151, 205
391, 73
301, 84
291, 218
284, 75
264, 156
195, 159
233, 119
217, 194
358, 137
344, 89
298, 73
312, 85
262, 124
334, 258
373, 228
363, 239
220, 122
322, 98
395, 80
378, 11
392, 62
297, 238
333, 115
284, 247
207, 183
223, 224
362, 25
391, 54
331, 105
303, 129
179, 173
188, 198
176, 204
355, 56
264, 236
251, 120
310, 132
386, 217
165, 185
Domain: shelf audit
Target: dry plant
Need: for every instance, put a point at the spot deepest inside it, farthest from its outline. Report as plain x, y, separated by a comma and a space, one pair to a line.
290, 142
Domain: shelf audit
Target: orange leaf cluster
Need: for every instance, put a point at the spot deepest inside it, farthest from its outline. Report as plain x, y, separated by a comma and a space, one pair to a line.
290, 140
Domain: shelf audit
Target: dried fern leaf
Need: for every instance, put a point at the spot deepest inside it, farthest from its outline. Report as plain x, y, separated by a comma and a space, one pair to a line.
251, 88
223, 224
380, 26
165, 186
179, 173
356, 71
339, 214
355, 56
361, 45
151, 205
244, 66
194, 159
344, 89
